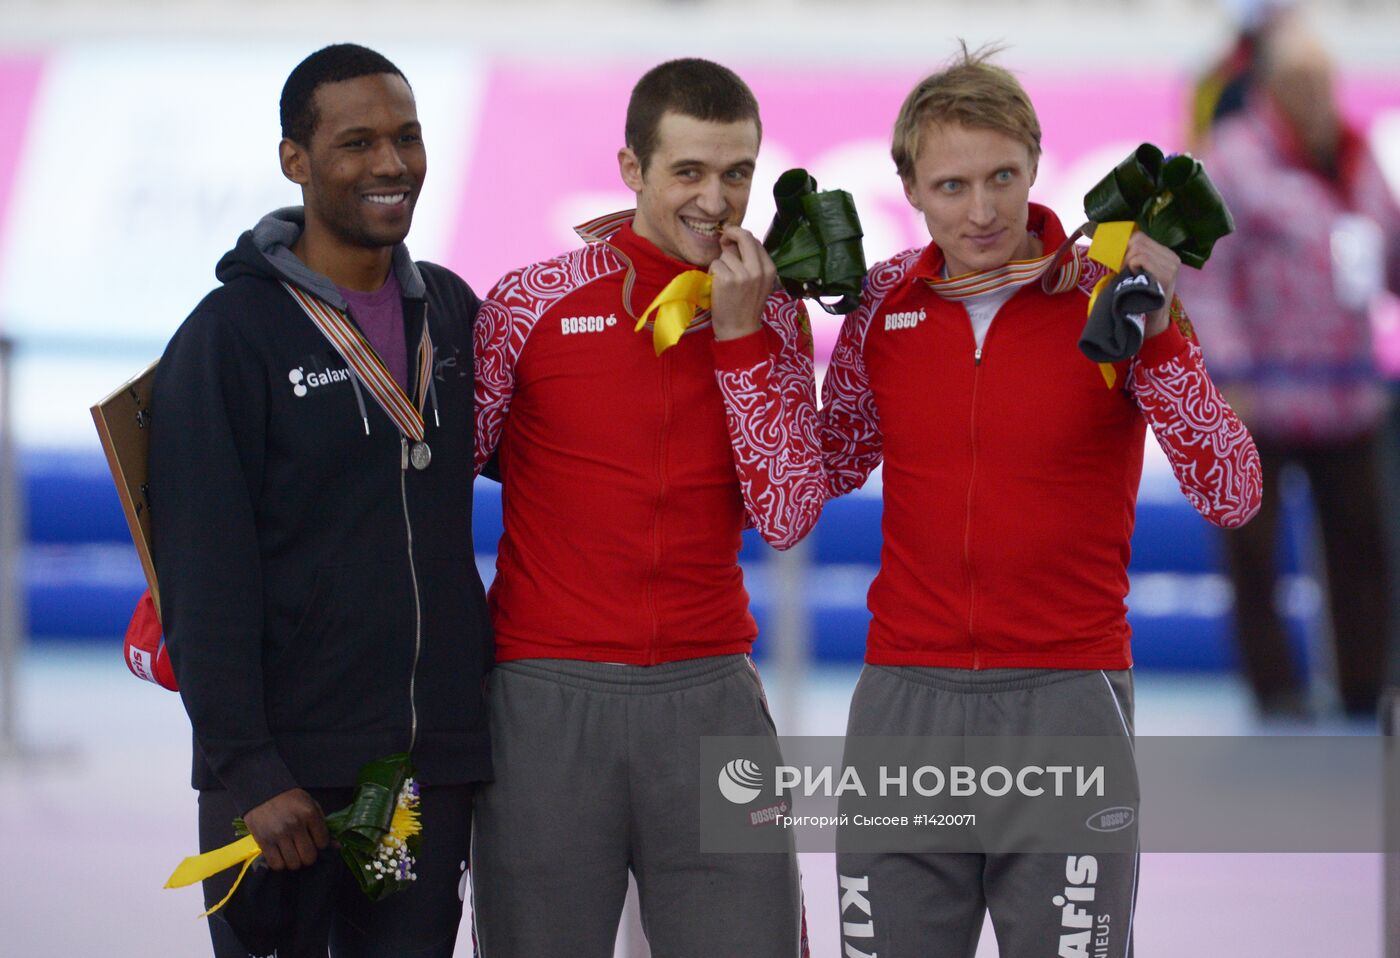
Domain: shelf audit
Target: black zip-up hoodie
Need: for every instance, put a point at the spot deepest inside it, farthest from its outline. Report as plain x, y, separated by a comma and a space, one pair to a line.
319, 595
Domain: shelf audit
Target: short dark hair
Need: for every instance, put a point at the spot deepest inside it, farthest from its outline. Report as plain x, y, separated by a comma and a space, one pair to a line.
691, 87
332, 64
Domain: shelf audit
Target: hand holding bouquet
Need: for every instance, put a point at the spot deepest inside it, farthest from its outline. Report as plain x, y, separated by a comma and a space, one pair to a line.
377, 834
1173, 202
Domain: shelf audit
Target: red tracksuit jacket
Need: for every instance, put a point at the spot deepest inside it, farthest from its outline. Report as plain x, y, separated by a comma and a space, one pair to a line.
626, 477
1011, 472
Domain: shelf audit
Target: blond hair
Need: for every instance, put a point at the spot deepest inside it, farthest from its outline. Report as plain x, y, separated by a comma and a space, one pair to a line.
969, 91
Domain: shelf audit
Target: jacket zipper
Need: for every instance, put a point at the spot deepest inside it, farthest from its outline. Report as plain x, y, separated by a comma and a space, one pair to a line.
967, 528
413, 574
661, 443
417, 601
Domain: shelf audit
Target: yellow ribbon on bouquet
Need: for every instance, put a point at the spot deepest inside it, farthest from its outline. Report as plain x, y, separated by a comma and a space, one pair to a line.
675, 308
1170, 198
1110, 243
199, 867
377, 834
1109, 246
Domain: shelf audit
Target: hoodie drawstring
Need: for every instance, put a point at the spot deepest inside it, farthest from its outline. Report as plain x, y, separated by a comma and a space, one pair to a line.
360, 399
432, 396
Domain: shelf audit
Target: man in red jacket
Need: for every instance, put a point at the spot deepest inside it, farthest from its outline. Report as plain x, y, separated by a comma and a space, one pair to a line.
1011, 466
622, 624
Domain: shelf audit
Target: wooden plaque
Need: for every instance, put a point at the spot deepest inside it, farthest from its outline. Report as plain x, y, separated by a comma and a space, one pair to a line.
123, 422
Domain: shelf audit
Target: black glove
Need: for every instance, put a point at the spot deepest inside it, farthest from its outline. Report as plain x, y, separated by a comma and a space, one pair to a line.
1114, 330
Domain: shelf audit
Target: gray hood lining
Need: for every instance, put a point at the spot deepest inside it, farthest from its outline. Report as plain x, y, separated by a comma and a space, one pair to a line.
274, 236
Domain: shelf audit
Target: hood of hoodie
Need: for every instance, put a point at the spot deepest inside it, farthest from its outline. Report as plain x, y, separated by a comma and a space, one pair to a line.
266, 251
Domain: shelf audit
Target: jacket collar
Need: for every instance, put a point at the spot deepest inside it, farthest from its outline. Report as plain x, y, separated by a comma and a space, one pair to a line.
648, 268
274, 236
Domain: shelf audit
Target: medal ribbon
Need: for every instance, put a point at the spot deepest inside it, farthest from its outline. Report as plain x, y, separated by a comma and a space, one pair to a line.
1021, 273
1018, 272
350, 343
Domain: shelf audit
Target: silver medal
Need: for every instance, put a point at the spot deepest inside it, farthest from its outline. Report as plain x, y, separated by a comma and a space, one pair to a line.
420, 455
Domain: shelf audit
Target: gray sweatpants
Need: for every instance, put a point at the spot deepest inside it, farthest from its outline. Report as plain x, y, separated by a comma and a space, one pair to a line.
932, 905
597, 772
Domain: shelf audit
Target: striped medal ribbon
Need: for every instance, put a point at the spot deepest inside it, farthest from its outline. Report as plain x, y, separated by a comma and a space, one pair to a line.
366, 365
1018, 272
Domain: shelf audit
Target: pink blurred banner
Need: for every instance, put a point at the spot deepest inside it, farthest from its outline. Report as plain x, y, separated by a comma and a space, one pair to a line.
545, 156
549, 134
19, 81
544, 139
546, 152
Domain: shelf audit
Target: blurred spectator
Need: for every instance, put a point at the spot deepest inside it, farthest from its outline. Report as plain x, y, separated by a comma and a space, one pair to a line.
1221, 91
1284, 307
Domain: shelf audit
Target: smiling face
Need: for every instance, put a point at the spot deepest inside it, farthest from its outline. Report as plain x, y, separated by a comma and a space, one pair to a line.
972, 186
696, 182
363, 169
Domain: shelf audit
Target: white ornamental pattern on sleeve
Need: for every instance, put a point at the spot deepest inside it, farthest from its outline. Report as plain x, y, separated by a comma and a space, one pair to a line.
771, 411
1090, 271
1210, 450
505, 321
852, 445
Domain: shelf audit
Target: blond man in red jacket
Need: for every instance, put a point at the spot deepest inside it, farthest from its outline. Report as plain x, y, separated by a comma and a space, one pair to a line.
1011, 465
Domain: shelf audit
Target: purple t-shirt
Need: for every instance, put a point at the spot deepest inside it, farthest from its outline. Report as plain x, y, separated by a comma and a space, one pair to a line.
380, 318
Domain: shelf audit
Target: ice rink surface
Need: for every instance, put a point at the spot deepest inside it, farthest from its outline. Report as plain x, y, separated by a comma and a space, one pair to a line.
100, 811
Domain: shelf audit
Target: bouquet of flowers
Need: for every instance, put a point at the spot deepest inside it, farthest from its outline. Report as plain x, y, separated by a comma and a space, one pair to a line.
377, 834
1173, 201
1170, 198
815, 242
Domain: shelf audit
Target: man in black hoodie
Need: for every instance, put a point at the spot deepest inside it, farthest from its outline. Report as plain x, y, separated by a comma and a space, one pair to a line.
311, 474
